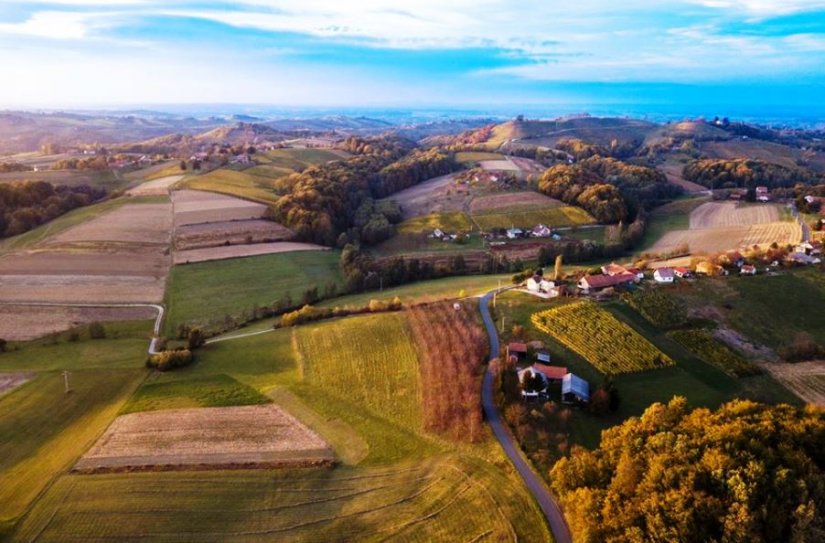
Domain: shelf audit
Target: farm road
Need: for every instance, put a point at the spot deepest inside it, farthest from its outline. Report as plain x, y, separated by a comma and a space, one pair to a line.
548, 504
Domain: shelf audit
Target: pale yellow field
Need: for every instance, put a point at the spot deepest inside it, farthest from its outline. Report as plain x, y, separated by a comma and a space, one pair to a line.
724, 214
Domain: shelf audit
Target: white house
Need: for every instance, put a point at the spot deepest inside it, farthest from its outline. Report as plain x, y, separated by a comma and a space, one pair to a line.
762, 194
438, 233
514, 233
541, 231
664, 275
537, 283
747, 269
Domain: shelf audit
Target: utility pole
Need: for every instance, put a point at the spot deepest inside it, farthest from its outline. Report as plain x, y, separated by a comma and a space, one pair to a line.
66, 381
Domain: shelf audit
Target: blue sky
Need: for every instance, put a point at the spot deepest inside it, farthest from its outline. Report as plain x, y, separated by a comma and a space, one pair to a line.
101, 53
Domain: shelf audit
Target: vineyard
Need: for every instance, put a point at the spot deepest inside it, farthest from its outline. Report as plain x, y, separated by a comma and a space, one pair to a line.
452, 347
368, 360
551, 216
703, 344
606, 342
658, 307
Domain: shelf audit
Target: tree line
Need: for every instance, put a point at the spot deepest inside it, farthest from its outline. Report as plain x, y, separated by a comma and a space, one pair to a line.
414, 168
746, 173
26, 205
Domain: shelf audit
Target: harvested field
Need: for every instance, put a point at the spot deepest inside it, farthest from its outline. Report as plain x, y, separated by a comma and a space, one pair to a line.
214, 437
499, 165
673, 172
134, 262
237, 251
726, 214
156, 187
437, 195
512, 201
805, 379
10, 381
131, 223
234, 183
81, 288
194, 207
24, 322
714, 240
213, 234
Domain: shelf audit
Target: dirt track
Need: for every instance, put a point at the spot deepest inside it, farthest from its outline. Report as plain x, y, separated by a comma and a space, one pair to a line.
220, 436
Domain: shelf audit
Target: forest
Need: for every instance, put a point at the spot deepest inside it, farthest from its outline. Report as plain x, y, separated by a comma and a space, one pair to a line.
416, 167
26, 205
746, 173
745, 472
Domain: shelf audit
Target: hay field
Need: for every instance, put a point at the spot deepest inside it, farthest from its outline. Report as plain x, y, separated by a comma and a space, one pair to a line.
24, 322
725, 214
213, 234
130, 223
155, 187
369, 360
255, 435
805, 379
239, 251
234, 183
195, 207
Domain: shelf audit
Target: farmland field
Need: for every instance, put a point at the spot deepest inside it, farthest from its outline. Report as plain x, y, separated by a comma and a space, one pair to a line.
155, 187
201, 293
214, 234
10, 381
234, 183
476, 156
610, 345
712, 351
264, 435
130, 223
512, 201
380, 375
22, 322
297, 159
552, 217
238, 251
806, 379
195, 207
448, 222
436, 195
725, 214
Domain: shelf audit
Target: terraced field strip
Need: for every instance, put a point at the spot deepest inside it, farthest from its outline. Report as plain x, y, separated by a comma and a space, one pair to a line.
430, 501
609, 344
369, 360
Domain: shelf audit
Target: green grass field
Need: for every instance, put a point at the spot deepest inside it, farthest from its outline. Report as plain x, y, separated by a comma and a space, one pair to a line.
554, 216
206, 292
451, 223
234, 183
354, 382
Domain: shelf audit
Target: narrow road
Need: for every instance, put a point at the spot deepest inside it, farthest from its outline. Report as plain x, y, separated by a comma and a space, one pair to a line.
548, 504
158, 320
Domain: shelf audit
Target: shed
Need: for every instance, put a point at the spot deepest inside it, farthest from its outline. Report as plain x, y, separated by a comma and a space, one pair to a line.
574, 389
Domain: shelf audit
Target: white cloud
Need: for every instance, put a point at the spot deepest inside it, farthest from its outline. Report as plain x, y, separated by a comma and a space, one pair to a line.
52, 25
765, 8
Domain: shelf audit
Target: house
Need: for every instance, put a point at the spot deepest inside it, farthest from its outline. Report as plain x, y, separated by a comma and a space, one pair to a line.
747, 269
802, 258
517, 350
682, 272
438, 233
574, 389
513, 233
543, 356
613, 269
533, 384
762, 194
541, 231
735, 258
553, 374
638, 273
538, 283
664, 275
600, 282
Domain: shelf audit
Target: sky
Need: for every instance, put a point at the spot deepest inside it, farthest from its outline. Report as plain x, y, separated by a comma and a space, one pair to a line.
386, 53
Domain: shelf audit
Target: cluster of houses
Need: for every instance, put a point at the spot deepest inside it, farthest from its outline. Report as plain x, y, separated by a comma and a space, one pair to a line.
441, 235
763, 194
537, 378
538, 231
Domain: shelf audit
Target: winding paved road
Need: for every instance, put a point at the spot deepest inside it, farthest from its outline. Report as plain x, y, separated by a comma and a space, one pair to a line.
548, 504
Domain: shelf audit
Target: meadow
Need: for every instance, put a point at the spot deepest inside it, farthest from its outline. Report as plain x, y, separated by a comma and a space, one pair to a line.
234, 183
205, 293
556, 216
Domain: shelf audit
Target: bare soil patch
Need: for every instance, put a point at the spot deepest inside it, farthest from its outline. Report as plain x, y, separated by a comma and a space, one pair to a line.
156, 187
436, 195
213, 234
217, 437
512, 201
195, 206
81, 288
237, 251
24, 322
135, 261
10, 381
131, 223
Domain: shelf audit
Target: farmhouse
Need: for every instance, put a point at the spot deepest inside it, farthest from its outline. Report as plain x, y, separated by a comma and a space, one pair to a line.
517, 350
639, 274
762, 194
574, 389
614, 269
513, 233
682, 272
747, 269
541, 231
599, 282
553, 374
538, 283
664, 275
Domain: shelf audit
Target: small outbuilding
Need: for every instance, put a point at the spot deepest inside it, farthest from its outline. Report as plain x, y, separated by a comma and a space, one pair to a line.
664, 275
574, 389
